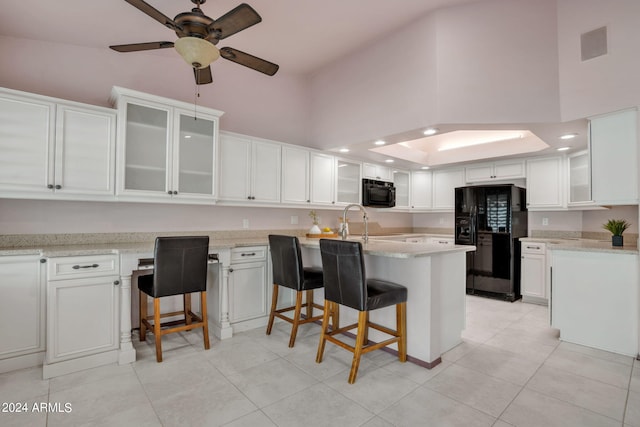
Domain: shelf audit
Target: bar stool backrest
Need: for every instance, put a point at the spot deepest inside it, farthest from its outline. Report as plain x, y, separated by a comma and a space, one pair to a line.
180, 265
286, 259
344, 273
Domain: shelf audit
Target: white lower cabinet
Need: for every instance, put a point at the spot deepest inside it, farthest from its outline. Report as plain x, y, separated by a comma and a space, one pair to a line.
533, 273
248, 287
82, 313
22, 312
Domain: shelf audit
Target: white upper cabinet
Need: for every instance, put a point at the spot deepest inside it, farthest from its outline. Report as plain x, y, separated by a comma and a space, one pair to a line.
545, 183
579, 179
512, 169
323, 186
295, 175
401, 180
378, 172
249, 169
348, 182
421, 190
165, 152
444, 183
614, 158
55, 149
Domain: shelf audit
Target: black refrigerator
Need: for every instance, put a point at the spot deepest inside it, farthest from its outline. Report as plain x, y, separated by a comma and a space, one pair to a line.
493, 218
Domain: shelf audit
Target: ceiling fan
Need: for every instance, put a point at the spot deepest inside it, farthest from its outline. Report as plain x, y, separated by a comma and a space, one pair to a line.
197, 36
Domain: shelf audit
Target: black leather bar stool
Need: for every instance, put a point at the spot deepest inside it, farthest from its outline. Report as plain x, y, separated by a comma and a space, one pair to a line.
180, 268
345, 283
289, 272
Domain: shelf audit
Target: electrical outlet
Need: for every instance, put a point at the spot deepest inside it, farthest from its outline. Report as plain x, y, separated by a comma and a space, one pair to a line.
545, 221
245, 223
294, 219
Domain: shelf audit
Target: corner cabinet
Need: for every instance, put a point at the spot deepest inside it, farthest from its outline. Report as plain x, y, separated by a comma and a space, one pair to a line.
55, 149
166, 149
250, 169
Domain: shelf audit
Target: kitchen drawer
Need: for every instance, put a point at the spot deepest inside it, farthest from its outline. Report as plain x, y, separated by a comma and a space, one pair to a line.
533, 248
248, 254
78, 267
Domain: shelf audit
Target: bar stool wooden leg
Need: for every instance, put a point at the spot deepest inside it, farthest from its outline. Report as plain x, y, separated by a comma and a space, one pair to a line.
401, 327
334, 309
143, 315
323, 330
274, 304
156, 328
357, 351
366, 329
186, 298
296, 319
309, 303
205, 319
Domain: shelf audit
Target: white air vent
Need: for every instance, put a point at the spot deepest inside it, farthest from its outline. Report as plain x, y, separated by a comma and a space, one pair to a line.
593, 43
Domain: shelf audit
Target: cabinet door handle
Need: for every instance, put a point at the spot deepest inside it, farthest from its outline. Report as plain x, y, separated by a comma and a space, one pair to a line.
230, 270
117, 282
77, 267
533, 247
58, 187
248, 254
50, 186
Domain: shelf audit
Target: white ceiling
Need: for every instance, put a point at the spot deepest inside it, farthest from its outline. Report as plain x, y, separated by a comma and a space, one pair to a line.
299, 35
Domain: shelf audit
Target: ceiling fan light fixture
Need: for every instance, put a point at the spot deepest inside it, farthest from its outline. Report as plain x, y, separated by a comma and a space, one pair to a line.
196, 52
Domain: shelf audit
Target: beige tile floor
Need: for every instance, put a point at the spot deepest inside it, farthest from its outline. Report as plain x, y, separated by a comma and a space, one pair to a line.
511, 370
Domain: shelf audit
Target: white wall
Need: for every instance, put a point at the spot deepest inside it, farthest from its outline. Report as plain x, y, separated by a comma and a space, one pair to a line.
54, 217
254, 104
606, 83
484, 62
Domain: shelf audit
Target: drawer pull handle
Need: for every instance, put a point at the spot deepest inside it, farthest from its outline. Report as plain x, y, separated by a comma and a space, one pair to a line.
77, 267
248, 254
533, 247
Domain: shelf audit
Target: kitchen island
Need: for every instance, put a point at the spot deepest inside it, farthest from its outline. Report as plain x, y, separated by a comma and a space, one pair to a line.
435, 277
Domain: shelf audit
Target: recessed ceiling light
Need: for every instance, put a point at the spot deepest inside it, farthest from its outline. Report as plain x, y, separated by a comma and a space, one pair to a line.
569, 136
344, 150
380, 142
187, 136
425, 167
563, 148
389, 160
430, 131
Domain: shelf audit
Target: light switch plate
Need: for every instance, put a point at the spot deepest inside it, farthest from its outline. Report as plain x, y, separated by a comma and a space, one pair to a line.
245, 223
294, 219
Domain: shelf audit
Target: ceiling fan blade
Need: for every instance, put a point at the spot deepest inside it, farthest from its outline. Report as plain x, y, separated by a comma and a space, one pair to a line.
135, 47
234, 21
242, 58
203, 75
154, 13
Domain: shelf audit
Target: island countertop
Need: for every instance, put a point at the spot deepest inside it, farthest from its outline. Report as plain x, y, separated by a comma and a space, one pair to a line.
395, 249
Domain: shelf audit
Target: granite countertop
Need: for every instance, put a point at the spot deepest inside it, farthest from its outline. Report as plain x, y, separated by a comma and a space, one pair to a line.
583, 245
119, 247
393, 249
123, 243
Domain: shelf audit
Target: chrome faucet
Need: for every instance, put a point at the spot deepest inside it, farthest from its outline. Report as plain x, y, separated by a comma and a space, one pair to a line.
365, 218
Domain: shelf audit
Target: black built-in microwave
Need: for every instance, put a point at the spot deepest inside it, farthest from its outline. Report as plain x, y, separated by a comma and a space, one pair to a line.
379, 194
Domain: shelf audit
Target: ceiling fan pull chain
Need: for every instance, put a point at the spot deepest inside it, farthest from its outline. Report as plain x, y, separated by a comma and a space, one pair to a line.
197, 95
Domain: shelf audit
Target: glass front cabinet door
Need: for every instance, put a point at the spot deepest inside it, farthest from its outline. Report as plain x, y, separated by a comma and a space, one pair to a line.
166, 152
